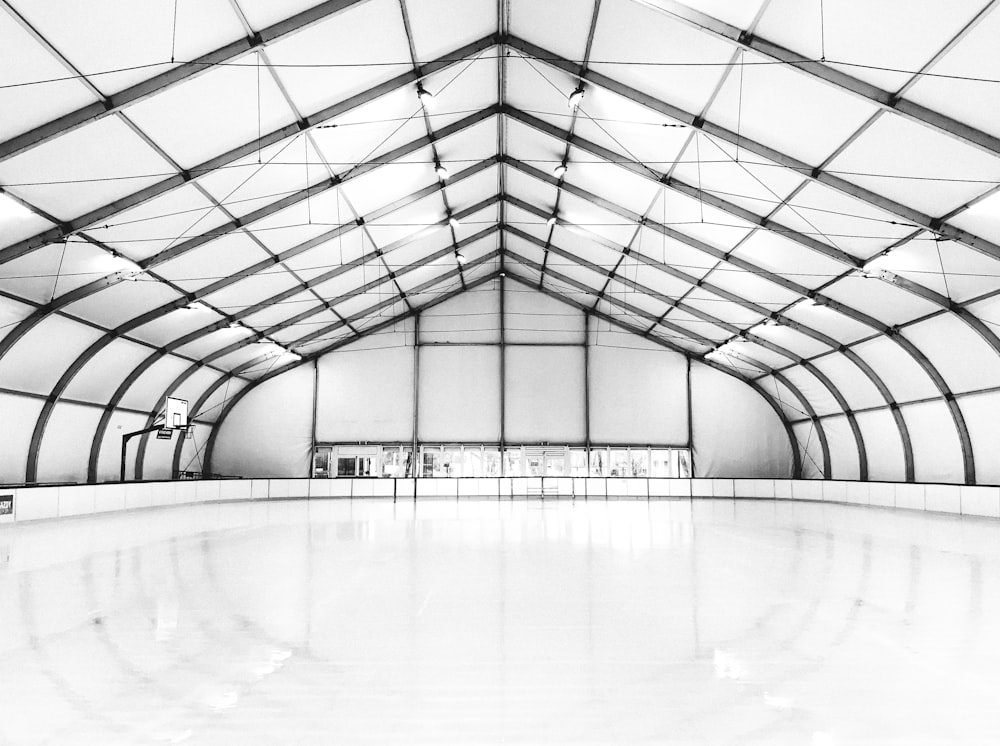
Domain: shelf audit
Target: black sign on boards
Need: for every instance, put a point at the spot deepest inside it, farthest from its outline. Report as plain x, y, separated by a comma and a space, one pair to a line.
6, 505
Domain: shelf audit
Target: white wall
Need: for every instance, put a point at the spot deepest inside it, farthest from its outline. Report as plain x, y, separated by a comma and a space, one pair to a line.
638, 394
736, 433
367, 387
269, 433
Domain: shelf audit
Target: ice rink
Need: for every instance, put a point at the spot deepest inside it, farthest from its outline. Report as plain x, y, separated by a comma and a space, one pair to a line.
525, 621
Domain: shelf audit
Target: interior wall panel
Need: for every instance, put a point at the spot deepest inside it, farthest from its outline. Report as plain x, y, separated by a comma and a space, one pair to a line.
65, 447
366, 391
937, 452
269, 433
736, 432
545, 395
638, 391
844, 458
810, 449
886, 460
109, 457
982, 415
459, 394
18, 417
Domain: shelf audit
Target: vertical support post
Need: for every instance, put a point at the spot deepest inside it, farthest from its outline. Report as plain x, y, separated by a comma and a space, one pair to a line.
586, 384
503, 372
690, 417
315, 404
415, 455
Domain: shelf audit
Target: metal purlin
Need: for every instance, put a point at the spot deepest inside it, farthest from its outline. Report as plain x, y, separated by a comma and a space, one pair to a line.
883, 99
110, 336
705, 341
833, 344
348, 321
824, 380
633, 310
235, 399
810, 173
79, 224
797, 470
952, 404
195, 242
909, 347
759, 222
250, 310
158, 83
572, 126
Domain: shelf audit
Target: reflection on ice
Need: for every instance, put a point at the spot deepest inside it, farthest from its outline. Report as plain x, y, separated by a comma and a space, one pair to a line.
484, 621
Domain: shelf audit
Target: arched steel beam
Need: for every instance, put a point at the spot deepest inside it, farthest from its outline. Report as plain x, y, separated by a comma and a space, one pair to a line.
834, 345
96, 286
911, 349
796, 456
210, 446
884, 100
808, 172
174, 76
731, 328
207, 461
347, 321
90, 352
101, 214
697, 339
249, 311
758, 222
7, 342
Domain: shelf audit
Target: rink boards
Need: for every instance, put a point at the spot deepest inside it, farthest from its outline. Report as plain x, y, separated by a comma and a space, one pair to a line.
33, 503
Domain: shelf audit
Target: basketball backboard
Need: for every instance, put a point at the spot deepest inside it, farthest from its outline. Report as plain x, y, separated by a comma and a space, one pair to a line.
176, 414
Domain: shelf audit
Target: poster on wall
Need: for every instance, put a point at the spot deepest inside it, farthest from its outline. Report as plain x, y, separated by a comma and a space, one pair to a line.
6, 505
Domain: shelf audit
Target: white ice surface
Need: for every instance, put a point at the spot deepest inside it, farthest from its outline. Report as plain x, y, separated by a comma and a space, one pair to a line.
344, 622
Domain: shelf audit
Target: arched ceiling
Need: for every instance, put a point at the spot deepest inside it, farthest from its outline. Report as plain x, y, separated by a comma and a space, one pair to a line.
196, 196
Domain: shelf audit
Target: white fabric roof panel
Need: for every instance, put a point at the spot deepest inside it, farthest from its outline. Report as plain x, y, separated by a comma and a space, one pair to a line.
499, 123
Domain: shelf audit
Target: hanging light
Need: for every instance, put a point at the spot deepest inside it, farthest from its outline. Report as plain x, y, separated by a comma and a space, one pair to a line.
234, 324
440, 170
575, 97
454, 222
460, 257
551, 222
560, 170
425, 96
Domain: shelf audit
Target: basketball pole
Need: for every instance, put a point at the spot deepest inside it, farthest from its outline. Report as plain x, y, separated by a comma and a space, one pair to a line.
128, 436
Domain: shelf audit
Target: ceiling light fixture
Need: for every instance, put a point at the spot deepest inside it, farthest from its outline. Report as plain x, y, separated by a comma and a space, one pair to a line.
460, 257
551, 222
575, 97
11, 209
454, 222
425, 96
560, 170
440, 170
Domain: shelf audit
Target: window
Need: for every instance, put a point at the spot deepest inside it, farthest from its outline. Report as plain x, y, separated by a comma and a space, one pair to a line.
578, 462
491, 462
321, 462
598, 462
512, 462
661, 463
620, 464
639, 459
472, 461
